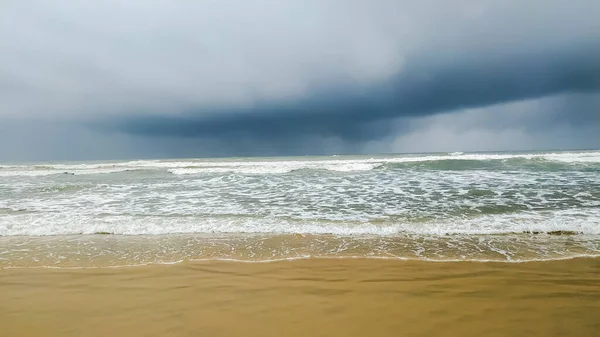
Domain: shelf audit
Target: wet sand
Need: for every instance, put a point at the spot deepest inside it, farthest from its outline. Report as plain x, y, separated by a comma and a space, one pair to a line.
329, 297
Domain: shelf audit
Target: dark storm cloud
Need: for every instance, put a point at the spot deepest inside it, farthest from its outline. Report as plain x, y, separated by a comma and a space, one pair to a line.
249, 77
425, 88
570, 121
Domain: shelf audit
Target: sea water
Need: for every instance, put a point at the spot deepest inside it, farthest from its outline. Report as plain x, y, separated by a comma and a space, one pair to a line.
449, 206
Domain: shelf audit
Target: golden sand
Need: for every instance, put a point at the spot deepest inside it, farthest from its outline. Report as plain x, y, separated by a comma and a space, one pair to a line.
343, 297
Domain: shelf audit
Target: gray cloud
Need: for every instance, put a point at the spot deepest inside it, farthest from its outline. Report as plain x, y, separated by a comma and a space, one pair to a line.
536, 124
184, 78
421, 90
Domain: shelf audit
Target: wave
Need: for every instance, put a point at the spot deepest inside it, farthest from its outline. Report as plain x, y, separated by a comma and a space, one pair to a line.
451, 161
74, 223
278, 168
37, 172
112, 251
516, 163
12, 210
64, 188
461, 161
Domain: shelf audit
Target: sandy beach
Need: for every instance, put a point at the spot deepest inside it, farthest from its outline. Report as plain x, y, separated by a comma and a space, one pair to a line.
315, 297
300, 168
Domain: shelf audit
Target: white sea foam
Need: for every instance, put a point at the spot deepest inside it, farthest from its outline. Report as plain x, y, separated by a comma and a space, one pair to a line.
275, 166
54, 171
73, 223
348, 167
199, 196
27, 173
242, 169
115, 250
271, 209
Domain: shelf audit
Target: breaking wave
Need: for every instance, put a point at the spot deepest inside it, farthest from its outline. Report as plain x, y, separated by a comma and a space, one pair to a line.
453, 161
457, 206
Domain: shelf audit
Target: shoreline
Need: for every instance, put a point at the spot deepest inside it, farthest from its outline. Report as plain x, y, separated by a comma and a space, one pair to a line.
118, 251
308, 258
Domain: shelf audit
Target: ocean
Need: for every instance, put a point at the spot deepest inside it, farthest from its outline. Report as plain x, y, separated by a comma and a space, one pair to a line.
504, 207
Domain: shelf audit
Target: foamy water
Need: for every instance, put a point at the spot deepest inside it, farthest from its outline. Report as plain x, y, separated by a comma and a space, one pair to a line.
530, 205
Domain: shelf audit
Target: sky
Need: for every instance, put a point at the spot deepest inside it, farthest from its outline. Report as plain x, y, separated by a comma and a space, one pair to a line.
172, 78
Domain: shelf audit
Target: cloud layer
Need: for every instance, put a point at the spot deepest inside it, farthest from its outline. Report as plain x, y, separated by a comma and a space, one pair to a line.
233, 77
